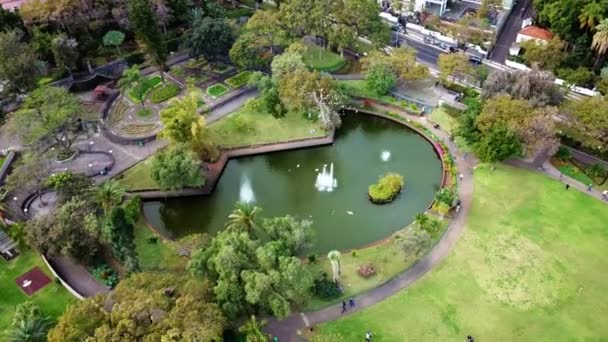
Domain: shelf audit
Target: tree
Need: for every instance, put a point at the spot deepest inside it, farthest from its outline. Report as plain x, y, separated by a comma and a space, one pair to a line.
292, 236
29, 324
243, 217
600, 41
591, 15
334, 259
415, 242
246, 53
211, 38
41, 43
285, 64
177, 167
109, 194
79, 321
497, 145
183, 125
266, 27
114, 38
162, 13
253, 330
269, 98
143, 23
49, 112
19, 66
10, 20
65, 52
453, 65
421, 219
547, 55
122, 239
30, 174
482, 74
585, 120
536, 86
71, 230
253, 274
379, 78
534, 127
68, 185
402, 61
130, 81
145, 307
580, 76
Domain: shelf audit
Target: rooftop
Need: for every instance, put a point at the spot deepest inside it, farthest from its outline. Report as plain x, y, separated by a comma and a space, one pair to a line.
536, 32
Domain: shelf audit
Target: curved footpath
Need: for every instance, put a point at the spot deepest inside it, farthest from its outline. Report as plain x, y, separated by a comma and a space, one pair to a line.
287, 329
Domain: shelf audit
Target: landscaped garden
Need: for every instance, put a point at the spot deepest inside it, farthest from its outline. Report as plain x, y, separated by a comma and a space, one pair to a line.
164, 92
594, 174
533, 271
52, 299
146, 84
239, 79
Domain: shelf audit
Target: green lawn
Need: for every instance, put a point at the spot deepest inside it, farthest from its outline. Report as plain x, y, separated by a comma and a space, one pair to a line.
138, 177
443, 119
147, 84
246, 127
528, 267
388, 260
573, 171
217, 90
156, 255
358, 88
321, 59
52, 299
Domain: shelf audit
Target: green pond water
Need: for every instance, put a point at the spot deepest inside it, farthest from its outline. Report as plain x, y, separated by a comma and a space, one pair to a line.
290, 183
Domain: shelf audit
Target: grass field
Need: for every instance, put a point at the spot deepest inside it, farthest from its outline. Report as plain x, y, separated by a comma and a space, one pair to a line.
441, 117
217, 90
51, 299
245, 127
530, 266
138, 177
155, 255
321, 59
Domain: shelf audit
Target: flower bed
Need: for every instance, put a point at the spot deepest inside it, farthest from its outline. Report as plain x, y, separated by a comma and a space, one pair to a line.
138, 129
386, 189
239, 79
163, 93
217, 90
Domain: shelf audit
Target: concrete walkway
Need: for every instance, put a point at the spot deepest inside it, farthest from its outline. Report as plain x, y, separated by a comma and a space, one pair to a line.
289, 328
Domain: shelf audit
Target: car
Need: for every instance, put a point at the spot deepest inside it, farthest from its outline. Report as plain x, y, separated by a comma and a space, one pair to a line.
475, 59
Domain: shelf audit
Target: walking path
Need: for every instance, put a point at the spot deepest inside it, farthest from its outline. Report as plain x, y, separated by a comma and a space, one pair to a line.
290, 328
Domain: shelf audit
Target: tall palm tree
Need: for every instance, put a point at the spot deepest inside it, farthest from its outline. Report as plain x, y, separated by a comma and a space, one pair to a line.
109, 194
591, 15
421, 219
131, 80
32, 328
334, 258
253, 330
600, 41
243, 217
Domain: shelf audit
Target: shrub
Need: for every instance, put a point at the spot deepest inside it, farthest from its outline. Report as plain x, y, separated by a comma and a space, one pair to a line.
312, 258
133, 208
446, 195
105, 275
135, 58
217, 90
353, 253
366, 270
563, 154
153, 240
386, 189
239, 79
163, 93
325, 288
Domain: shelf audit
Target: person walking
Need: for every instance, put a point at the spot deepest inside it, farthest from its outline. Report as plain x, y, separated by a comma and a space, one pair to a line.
567, 186
351, 302
605, 195
590, 187
460, 176
368, 336
343, 306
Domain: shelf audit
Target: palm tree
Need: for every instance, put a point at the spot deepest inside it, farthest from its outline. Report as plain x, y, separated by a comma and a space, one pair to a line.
421, 219
334, 258
33, 328
591, 15
130, 81
600, 41
109, 194
243, 217
253, 330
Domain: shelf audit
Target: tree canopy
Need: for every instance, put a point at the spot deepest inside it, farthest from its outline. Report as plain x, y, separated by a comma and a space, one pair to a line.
19, 65
535, 85
177, 167
210, 37
586, 121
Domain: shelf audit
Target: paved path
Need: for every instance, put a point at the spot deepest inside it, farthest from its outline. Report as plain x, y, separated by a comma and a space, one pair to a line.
287, 329
77, 276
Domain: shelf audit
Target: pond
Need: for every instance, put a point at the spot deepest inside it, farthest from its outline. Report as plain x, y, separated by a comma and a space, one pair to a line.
327, 185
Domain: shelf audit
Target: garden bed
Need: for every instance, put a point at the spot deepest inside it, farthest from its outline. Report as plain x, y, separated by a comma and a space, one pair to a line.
239, 79
220, 68
146, 85
138, 129
217, 90
165, 92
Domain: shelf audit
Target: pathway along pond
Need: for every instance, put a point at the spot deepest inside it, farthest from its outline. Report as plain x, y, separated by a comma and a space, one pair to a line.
293, 182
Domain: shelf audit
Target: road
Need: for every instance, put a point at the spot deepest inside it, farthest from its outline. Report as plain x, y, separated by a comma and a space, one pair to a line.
521, 10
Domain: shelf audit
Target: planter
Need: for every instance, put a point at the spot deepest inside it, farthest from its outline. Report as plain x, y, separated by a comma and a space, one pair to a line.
63, 159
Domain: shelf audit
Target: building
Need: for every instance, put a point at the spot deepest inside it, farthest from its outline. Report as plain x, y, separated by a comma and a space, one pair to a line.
536, 33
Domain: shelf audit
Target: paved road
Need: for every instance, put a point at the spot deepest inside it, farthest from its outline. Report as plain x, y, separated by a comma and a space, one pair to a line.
521, 10
287, 329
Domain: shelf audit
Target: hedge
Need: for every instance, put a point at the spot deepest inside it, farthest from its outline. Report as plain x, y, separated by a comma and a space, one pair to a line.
163, 93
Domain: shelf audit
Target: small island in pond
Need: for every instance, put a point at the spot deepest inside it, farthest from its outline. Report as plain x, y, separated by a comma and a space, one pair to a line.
386, 189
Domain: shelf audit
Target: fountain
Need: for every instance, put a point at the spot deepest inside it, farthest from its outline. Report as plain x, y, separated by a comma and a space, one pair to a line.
246, 194
325, 180
385, 155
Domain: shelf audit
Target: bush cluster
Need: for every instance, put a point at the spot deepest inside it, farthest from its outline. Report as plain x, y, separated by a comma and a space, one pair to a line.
386, 189
163, 93
325, 288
